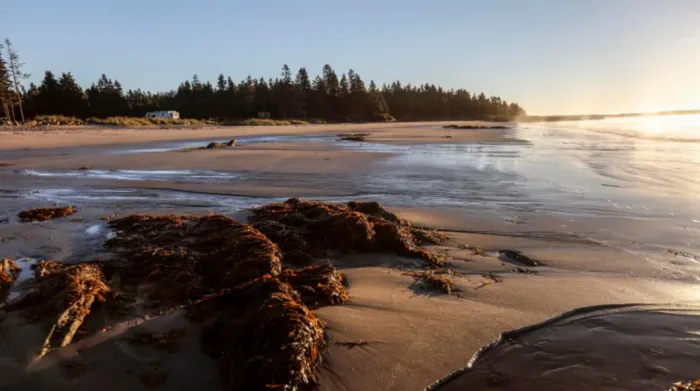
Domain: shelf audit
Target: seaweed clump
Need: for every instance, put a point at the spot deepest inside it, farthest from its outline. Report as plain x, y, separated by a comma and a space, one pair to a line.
228, 275
434, 280
43, 214
9, 270
689, 386
354, 137
314, 228
317, 285
230, 278
475, 127
66, 292
262, 336
194, 256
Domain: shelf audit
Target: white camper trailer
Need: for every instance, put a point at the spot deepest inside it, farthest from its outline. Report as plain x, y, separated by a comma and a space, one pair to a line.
163, 114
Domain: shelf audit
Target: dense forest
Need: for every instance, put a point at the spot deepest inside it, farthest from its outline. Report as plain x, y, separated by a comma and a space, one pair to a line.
327, 97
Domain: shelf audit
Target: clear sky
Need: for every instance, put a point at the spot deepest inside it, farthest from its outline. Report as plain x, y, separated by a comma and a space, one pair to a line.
551, 56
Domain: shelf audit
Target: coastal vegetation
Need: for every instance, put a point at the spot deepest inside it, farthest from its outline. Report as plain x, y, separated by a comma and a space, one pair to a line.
288, 97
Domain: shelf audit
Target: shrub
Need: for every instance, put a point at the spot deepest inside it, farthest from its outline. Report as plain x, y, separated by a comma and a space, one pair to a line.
264, 122
56, 120
382, 117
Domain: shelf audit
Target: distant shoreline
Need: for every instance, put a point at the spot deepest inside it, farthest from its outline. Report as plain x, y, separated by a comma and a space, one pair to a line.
555, 118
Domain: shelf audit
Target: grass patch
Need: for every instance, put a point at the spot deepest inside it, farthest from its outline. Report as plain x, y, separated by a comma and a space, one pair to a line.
61, 120
265, 122
139, 121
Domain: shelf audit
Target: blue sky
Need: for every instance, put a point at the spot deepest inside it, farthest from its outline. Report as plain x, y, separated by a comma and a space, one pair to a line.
551, 56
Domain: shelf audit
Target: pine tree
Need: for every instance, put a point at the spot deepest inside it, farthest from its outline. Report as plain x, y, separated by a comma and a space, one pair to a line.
72, 98
327, 97
302, 90
221, 83
286, 92
379, 110
49, 99
358, 97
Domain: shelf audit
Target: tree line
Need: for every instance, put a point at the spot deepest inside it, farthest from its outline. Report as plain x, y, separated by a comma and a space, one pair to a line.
326, 97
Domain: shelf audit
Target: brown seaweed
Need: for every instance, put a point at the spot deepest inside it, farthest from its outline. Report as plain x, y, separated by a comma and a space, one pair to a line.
195, 255
475, 127
262, 336
317, 285
66, 292
255, 324
433, 280
230, 278
315, 227
43, 214
9, 270
689, 386
353, 137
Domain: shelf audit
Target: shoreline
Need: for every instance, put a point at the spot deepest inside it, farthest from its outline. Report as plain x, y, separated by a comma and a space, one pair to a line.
412, 337
94, 136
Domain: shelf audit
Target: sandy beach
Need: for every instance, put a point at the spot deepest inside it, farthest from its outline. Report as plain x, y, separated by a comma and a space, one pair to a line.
587, 252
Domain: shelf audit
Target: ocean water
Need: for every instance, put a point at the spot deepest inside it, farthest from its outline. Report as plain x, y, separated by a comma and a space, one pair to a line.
646, 167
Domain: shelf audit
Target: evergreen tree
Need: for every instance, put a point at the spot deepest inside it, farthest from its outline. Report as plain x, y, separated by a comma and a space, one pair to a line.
378, 108
358, 98
72, 100
302, 91
327, 97
106, 98
49, 98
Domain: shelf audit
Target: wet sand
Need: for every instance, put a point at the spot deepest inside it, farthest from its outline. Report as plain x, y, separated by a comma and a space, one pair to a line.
627, 348
92, 135
414, 337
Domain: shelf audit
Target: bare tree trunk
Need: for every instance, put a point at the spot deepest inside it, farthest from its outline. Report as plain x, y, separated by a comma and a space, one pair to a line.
15, 71
12, 111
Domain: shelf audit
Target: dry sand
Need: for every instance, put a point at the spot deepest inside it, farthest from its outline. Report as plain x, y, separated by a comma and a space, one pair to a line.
414, 337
